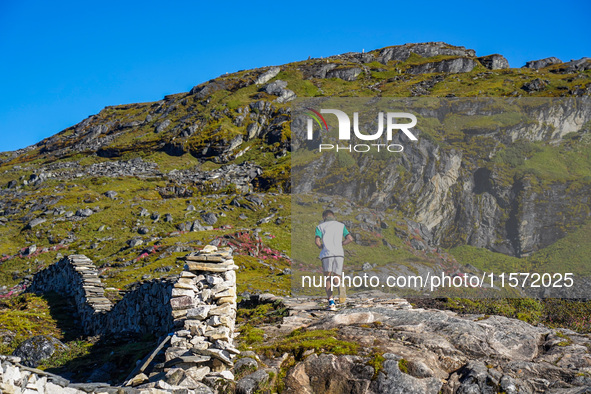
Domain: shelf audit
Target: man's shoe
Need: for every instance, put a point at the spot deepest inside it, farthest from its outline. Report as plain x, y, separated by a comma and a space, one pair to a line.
331, 305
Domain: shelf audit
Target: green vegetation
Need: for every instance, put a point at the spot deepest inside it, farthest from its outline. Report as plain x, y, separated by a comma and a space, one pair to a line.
121, 219
76, 349
568, 161
28, 315
403, 365
251, 335
375, 361
285, 367
569, 254
488, 261
262, 314
567, 340
25, 316
300, 340
552, 312
526, 309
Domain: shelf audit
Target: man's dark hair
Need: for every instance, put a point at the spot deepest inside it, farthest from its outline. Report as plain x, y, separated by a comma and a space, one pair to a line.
327, 213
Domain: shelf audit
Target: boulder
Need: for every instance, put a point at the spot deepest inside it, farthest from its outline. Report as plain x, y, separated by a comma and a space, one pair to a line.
204, 90
278, 88
251, 383
196, 226
494, 62
209, 218
541, 63
84, 212
30, 250
38, 348
344, 73
317, 70
275, 88
535, 85
245, 364
111, 194
574, 66
35, 222
267, 75
326, 373
160, 127
135, 242
392, 380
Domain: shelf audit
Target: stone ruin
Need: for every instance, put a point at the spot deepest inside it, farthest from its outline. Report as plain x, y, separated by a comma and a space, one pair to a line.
194, 313
204, 311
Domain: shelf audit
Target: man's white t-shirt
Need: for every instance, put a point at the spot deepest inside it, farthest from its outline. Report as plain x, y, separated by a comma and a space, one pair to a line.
332, 232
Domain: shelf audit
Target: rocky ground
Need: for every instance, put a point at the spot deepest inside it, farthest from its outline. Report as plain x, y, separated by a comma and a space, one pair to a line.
374, 344
401, 349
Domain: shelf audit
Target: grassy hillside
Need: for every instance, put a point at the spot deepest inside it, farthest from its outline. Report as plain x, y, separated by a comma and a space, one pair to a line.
195, 132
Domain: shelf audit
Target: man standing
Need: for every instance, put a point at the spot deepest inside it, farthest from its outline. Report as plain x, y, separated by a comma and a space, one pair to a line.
329, 238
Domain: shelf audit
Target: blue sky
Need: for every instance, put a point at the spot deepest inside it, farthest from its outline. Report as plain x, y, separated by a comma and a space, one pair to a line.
63, 60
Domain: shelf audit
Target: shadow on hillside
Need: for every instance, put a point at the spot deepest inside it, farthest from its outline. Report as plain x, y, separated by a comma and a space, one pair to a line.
93, 359
63, 311
105, 360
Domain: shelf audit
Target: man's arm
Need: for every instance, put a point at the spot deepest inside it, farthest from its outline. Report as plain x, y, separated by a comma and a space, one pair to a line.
348, 236
348, 239
318, 241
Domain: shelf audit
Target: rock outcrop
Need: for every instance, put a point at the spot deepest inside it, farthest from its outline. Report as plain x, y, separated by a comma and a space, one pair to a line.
573, 66
428, 49
458, 65
542, 63
494, 62
38, 348
433, 351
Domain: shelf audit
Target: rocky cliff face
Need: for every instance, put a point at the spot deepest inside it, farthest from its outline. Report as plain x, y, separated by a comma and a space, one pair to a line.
458, 185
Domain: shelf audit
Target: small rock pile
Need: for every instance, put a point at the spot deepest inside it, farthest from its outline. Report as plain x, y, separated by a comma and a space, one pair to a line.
17, 378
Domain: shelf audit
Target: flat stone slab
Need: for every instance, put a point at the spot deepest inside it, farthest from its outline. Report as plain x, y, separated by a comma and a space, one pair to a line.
187, 359
196, 266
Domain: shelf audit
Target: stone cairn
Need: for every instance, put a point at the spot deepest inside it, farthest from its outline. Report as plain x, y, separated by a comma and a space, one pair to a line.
204, 311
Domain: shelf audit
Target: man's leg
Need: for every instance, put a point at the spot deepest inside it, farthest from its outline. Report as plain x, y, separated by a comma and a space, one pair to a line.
328, 277
338, 270
342, 293
328, 283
